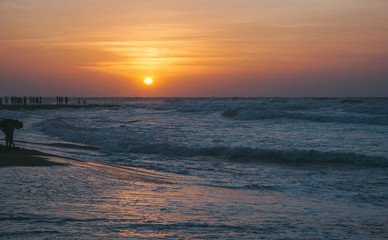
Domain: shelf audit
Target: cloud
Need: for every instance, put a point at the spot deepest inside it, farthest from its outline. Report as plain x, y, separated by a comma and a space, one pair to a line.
255, 40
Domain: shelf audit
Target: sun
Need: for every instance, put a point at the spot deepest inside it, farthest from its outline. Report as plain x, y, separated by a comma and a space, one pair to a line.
148, 81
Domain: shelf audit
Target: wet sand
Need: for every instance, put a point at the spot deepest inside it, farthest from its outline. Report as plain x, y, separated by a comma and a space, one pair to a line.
53, 106
23, 157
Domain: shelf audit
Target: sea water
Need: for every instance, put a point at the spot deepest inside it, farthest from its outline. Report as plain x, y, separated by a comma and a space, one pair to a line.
229, 168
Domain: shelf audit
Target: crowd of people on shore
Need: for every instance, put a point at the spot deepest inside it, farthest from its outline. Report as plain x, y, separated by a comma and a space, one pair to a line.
34, 100
8, 126
21, 100
61, 100
65, 100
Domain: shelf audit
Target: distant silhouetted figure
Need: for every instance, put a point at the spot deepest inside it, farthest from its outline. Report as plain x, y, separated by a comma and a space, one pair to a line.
6, 100
84, 102
66, 100
1, 100
8, 126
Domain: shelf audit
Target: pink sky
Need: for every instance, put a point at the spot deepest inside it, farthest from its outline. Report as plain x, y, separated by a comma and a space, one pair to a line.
194, 48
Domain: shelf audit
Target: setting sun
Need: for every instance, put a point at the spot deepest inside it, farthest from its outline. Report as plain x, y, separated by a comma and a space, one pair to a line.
148, 81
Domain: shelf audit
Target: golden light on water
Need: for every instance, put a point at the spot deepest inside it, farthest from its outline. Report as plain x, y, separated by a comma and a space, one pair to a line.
148, 81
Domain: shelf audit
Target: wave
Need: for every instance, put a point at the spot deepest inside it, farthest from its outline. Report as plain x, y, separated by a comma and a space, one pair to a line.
366, 105
254, 114
43, 218
341, 110
115, 141
247, 154
338, 110
255, 186
71, 130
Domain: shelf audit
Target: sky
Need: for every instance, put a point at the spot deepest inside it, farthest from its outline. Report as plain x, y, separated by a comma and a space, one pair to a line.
194, 48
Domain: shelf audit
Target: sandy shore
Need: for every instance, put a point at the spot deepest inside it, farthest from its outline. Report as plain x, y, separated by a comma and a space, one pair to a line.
23, 157
53, 106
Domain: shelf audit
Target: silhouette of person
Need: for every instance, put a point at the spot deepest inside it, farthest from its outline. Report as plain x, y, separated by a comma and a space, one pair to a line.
8, 126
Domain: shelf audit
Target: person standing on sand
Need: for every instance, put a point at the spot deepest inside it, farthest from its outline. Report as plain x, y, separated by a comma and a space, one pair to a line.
8, 127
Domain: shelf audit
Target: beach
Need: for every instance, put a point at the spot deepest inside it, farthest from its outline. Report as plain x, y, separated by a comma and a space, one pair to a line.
23, 157
197, 169
232, 120
26, 157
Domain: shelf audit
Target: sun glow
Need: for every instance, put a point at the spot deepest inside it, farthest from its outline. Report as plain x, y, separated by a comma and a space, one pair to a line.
148, 81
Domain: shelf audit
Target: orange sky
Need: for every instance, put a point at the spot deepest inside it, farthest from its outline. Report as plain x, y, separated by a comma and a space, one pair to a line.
194, 48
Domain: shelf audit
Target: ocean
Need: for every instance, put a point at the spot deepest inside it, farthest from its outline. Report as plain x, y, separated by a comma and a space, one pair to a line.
205, 168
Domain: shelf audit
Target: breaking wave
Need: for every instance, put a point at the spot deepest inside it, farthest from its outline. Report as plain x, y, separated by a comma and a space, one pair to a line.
251, 114
247, 154
337, 110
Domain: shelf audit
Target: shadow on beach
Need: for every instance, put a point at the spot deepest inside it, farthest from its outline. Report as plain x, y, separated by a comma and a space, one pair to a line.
23, 157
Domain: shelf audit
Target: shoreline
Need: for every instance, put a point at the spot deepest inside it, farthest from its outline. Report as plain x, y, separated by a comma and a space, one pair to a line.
24, 158
54, 106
